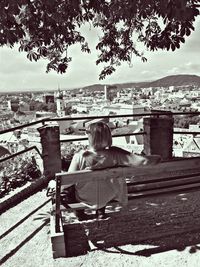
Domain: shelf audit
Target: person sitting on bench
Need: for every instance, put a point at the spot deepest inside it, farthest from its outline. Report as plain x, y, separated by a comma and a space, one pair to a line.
101, 155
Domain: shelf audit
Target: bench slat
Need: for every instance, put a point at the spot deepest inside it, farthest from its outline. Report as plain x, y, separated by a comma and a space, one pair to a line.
134, 191
162, 184
171, 168
77, 206
141, 174
164, 190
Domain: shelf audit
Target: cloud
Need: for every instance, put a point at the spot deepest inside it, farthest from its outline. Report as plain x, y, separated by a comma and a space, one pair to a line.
15, 62
192, 42
16, 71
187, 68
173, 71
192, 66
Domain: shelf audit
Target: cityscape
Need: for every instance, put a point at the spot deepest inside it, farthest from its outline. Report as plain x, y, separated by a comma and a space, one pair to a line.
25, 156
103, 100
22, 157
99, 133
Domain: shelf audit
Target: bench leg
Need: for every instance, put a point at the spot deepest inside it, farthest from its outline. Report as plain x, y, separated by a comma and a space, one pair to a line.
57, 240
58, 245
81, 215
100, 213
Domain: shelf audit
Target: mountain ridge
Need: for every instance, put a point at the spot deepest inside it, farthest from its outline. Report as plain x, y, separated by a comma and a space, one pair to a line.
171, 80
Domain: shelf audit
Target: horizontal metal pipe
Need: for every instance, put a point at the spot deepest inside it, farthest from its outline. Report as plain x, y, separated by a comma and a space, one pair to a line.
21, 152
22, 126
185, 132
127, 115
86, 138
99, 117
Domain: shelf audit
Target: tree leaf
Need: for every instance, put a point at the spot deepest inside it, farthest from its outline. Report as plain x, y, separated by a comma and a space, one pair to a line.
43, 29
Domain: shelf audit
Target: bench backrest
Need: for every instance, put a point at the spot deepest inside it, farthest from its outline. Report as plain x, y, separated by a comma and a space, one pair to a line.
145, 174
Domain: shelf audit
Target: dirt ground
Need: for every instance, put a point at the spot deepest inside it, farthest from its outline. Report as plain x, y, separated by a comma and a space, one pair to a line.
25, 241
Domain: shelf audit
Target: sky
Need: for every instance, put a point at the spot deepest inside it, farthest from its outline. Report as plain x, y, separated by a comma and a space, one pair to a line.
18, 73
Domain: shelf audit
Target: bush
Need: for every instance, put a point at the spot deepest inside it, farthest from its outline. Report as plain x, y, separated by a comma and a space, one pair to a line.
17, 172
67, 152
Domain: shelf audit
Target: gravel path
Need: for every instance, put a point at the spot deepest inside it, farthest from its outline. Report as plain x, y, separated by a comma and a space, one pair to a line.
22, 231
28, 244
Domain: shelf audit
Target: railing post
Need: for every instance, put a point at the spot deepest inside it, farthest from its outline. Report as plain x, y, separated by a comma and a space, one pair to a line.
51, 153
158, 138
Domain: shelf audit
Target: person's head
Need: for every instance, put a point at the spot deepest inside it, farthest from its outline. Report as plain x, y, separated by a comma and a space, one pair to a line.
99, 135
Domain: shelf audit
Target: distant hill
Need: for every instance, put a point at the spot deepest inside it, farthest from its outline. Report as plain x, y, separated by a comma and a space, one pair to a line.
176, 80
94, 87
129, 85
173, 80
100, 87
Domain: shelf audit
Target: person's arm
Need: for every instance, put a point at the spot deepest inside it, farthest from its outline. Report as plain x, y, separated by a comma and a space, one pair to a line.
153, 159
126, 158
139, 160
74, 165
51, 188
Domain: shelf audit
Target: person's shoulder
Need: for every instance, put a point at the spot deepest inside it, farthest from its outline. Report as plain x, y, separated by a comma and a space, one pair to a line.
86, 153
83, 153
78, 154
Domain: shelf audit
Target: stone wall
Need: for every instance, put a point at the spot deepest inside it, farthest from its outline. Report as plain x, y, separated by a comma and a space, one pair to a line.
23, 193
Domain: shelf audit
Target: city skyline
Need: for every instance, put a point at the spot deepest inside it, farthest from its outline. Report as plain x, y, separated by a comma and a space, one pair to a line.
18, 73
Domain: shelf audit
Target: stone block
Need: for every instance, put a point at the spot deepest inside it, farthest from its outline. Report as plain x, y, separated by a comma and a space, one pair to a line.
159, 136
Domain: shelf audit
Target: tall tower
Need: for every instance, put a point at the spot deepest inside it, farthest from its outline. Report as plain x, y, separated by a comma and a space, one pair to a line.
105, 93
60, 105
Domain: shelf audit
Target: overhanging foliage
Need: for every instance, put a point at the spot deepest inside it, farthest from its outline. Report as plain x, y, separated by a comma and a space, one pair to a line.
47, 28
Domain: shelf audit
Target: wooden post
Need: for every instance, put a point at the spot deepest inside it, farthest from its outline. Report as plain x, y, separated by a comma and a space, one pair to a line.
51, 153
159, 136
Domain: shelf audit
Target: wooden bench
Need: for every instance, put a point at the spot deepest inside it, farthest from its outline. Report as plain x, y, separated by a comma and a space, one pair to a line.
165, 177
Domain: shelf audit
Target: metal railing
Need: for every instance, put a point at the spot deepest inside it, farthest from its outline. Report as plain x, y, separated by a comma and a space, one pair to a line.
186, 132
20, 153
22, 126
43, 121
86, 138
153, 113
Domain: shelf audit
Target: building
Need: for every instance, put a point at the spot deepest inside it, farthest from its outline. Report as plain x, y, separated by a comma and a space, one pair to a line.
110, 92
193, 148
123, 109
44, 114
23, 107
60, 107
14, 104
6, 115
49, 99
24, 117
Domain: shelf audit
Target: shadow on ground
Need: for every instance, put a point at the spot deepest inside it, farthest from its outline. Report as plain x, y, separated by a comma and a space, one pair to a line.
147, 248
150, 225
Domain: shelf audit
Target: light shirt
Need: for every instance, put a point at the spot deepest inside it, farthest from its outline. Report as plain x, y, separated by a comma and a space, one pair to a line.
95, 193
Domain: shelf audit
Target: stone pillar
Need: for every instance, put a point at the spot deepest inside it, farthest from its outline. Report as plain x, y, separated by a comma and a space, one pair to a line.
158, 138
51, 153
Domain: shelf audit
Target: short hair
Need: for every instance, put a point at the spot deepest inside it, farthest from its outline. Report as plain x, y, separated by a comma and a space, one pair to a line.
99, 135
